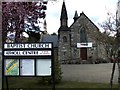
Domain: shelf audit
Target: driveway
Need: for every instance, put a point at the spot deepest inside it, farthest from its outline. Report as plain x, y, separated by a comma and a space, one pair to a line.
98, 73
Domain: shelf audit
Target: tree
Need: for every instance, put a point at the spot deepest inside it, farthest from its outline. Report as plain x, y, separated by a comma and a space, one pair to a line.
19, 17
112, 25
15, 15
110, 33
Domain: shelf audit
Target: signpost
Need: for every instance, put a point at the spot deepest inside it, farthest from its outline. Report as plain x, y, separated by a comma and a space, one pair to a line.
28, 59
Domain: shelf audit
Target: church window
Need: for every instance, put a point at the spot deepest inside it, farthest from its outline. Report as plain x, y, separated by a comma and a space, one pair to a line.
75, 52
64, 39
64, 53
83, 36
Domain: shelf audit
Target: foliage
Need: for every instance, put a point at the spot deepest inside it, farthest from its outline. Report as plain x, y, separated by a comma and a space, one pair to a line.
110, 27
58, 72
19, 17
54, 33
14, 15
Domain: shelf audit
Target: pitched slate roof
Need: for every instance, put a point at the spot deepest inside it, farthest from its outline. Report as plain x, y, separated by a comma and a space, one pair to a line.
51, 38
83, 14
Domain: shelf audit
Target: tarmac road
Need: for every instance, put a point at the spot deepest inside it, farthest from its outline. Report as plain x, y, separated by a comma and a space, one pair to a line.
98, 73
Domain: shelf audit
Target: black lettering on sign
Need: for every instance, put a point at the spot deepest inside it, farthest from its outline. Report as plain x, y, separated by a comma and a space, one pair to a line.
85, 44
47, 45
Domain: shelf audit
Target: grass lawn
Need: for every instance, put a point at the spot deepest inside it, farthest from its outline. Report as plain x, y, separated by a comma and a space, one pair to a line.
15, 82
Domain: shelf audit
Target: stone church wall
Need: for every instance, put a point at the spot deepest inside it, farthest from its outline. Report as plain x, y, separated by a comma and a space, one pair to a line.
82, 30
64, 47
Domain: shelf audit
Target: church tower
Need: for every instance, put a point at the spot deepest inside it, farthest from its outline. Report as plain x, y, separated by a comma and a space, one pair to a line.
64, 17
64, 36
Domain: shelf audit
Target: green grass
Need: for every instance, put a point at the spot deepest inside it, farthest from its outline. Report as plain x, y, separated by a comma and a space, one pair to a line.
34, 83
73, 84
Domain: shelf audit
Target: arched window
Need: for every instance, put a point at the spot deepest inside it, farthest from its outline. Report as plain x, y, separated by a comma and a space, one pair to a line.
64, 39
83, 36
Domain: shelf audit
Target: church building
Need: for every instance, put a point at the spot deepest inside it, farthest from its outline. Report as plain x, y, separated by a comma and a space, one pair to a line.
82, 41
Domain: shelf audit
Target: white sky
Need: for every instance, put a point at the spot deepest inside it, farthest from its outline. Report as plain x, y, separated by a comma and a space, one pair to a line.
96, 10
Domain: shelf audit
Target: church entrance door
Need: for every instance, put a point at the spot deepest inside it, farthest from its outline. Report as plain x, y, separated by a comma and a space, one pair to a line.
83, 53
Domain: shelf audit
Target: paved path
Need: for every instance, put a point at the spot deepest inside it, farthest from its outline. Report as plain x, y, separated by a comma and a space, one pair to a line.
99, 73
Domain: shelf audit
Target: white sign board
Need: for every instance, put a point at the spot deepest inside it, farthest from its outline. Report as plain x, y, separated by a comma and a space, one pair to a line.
43, 67
81, 45
27, 67
27, 46
28, 53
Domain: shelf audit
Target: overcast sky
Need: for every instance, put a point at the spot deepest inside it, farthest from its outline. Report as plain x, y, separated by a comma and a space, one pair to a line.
96, 10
